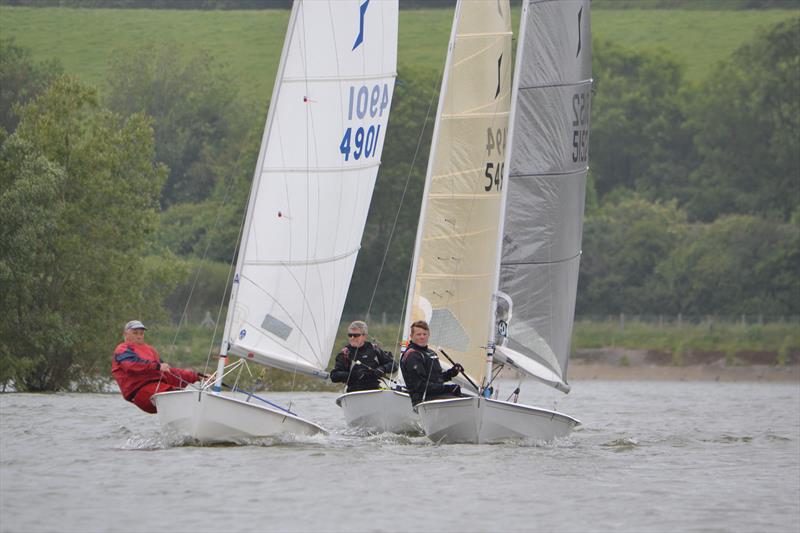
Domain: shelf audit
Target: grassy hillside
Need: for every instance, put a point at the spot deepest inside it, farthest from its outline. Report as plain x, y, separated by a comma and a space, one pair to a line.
249, 42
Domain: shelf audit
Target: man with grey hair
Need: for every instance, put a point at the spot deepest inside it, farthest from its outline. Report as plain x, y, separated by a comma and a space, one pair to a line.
140, 373
361, 363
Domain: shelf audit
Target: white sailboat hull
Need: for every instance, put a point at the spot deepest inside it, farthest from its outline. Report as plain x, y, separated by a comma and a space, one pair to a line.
214, 418
380, 410
482, 421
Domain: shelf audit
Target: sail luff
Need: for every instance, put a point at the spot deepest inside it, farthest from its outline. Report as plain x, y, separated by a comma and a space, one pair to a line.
257, 177
504, 192
455, 254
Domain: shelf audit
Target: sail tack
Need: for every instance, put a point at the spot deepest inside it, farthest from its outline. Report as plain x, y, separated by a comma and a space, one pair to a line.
313, 182
546, 189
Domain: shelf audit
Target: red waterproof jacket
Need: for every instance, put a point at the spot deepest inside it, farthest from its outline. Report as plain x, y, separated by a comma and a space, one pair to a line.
136, 365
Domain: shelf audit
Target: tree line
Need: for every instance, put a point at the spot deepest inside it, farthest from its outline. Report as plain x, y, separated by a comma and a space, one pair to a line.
122, 204
404, 4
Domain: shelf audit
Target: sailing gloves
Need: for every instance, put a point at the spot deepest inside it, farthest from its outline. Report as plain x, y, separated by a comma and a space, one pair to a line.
452, 389
452, 372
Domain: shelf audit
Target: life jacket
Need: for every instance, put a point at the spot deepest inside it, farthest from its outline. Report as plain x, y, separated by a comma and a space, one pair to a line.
136, 365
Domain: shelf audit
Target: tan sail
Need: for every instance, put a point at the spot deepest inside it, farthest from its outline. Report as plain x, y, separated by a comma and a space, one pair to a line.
456, 251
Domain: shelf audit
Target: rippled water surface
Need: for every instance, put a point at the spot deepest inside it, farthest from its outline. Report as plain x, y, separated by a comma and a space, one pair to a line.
650, 456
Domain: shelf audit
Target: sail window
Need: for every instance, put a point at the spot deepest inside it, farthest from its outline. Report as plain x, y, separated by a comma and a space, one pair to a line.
276, 327
447, 331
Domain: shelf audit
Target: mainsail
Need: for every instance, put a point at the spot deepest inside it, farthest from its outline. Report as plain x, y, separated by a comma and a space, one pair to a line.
545, 191
455, 259
313, 183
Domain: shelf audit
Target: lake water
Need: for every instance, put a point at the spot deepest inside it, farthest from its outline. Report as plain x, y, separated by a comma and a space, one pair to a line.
650, 456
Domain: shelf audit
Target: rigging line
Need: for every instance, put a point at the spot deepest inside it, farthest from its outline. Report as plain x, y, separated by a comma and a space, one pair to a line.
304, 47
231, 268
402, 199
325, 358
434, 94
182, 318
494, 117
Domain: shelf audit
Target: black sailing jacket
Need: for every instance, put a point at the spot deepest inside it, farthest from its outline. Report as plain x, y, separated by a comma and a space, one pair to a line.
423, 374
353, 366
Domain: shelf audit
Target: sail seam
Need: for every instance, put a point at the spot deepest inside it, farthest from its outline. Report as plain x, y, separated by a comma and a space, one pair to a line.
473, 35
339, 78
474, 115
554, 174
453, 276
332, 259
558, 85
559, 261
278, 170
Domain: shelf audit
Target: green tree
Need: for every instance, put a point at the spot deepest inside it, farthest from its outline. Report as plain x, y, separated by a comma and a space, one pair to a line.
737, 264
747, 118
21, 79
623, 243
78, 204
198, 121
638, 138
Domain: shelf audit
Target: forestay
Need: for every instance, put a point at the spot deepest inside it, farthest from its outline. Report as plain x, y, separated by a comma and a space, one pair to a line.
546, 189
456, 255
313, 182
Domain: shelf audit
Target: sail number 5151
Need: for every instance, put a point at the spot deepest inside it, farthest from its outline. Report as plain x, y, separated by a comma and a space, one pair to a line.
365, 103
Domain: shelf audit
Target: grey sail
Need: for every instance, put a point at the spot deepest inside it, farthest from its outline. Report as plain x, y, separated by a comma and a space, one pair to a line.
545, 192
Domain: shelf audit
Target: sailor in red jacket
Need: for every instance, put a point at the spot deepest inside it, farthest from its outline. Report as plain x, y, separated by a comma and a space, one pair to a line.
140, 372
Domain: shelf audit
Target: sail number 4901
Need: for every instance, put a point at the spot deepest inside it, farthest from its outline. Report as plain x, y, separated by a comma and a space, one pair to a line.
365, 103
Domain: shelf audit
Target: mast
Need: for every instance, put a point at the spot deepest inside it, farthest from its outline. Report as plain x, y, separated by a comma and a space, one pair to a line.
454, 261
543, 208
431, 160
504, 192
248, 220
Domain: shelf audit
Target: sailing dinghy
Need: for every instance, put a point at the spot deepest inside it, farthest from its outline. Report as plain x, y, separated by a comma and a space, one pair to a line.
496, 262
308, 205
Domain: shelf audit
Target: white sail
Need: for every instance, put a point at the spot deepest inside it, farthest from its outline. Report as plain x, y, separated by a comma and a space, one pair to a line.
456, 254
313, 182
545, 189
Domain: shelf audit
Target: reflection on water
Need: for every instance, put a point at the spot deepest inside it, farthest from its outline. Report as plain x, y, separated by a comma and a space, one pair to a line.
651, 456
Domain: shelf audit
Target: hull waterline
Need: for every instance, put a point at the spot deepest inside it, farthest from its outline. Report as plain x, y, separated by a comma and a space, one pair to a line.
380, 410
215, 418
484, 421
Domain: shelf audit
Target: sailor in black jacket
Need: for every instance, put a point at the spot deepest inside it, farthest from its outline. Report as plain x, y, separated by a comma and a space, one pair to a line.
360, 364
421, 369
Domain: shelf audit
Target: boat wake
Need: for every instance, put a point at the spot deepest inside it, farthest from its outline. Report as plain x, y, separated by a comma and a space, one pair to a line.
623, 444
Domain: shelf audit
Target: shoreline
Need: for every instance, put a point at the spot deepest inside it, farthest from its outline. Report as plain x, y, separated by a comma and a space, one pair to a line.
754, 373
650, 365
